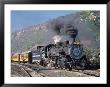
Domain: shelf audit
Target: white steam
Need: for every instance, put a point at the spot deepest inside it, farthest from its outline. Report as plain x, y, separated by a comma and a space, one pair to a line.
60, 38
57, 38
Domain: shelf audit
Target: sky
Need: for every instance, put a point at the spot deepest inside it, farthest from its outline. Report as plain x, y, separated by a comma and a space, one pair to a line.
21, 19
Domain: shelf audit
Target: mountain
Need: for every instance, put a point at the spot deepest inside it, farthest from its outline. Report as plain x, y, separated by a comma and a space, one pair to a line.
86, 22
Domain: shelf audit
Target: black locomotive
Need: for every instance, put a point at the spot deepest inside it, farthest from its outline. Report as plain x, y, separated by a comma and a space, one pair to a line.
65, 55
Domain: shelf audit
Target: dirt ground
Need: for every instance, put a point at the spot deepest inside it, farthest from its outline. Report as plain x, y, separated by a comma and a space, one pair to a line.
20, 70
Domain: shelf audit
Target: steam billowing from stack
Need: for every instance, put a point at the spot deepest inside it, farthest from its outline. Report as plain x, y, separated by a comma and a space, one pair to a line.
68, 33
60, 38
57, 38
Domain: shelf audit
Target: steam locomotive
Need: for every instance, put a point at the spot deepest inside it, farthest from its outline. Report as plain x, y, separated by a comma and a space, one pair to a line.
65, 55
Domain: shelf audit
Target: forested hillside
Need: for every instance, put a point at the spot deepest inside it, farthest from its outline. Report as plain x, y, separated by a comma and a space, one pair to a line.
87, 23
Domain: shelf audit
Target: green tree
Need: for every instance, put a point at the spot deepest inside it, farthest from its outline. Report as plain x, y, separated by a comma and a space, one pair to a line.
92, 18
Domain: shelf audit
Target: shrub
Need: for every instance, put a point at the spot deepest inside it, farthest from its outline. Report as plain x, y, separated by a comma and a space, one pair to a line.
93, 56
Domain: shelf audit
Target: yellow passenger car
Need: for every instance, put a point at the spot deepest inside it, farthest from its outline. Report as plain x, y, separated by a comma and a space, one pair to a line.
22, 57
15, 57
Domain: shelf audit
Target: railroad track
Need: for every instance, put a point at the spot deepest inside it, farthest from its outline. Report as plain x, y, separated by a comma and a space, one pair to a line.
44, 69
28, 74
19, 70
48, 72
95, 73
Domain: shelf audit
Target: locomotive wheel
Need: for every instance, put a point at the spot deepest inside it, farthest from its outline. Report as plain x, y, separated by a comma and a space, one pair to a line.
70, 69
68, 66
81, 64
61, 64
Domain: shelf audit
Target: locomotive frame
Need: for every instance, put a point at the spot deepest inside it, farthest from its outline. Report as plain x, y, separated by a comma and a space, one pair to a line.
2, 81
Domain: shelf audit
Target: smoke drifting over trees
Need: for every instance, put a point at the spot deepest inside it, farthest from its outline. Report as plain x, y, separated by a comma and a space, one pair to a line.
86, 22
